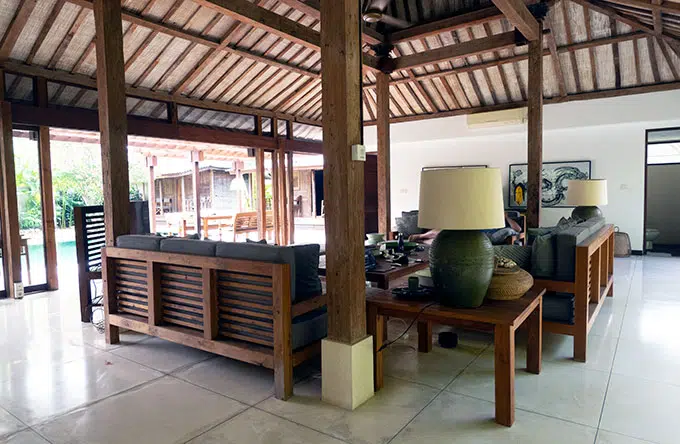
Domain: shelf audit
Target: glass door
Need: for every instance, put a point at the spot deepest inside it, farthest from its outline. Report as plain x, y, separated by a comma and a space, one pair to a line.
29, 200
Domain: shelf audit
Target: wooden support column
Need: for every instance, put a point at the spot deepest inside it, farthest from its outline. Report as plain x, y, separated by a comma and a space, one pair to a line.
383, 127
196, 157
11, 249
151, 163
112, 121
535, 128
291, 197
283, 192
275, 196
343, 177
47, 196
261, 196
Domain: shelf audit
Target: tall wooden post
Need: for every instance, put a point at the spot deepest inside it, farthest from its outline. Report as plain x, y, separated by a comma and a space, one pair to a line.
11, 248
151, 163
196, 157
535, 129
291, 197
112, 120
47, 196
283, 192
383, 127
261, 196
347, 353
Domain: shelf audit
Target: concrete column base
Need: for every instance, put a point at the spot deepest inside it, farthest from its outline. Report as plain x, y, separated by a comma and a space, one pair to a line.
347, 372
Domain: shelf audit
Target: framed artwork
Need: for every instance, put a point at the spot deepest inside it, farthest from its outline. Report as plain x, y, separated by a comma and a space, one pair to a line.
555, 177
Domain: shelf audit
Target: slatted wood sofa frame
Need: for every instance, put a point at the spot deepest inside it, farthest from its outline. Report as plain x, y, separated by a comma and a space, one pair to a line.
593, 282
194, 301
90, 238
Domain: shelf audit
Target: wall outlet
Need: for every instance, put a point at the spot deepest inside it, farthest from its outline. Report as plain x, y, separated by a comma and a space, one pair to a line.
359, 153
18, 290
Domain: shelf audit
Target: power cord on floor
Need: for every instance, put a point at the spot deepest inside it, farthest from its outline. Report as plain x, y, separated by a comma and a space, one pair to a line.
96, 307
387, 344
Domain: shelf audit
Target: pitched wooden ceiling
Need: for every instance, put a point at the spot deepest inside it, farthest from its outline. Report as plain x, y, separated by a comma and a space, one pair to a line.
191, 48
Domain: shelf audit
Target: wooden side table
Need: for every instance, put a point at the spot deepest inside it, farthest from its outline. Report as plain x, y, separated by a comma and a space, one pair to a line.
504, 316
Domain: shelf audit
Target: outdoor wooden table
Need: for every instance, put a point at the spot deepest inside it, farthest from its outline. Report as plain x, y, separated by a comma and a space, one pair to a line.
504, 316
386, 273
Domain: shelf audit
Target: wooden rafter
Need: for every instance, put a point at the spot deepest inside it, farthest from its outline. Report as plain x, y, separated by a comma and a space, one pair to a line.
652, 59
24, 10
259, 17
555, 57
636, 61
75, 26
485, 72
615, 52
515, 69
501, 72
668, 59
519, 16
466, 49
44, 31
570, 40
591, 51
415, 83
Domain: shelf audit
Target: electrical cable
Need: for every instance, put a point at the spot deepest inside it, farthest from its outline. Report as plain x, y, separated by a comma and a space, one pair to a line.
387, 344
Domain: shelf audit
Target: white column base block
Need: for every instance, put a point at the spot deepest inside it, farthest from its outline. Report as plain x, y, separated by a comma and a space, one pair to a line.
347, 372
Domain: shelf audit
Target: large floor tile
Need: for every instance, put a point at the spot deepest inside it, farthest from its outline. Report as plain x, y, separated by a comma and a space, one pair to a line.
604, 437
436, 368
86, 334
459, 419
9, 424
376, 421
601, 350
161, 355
165, 411
24, 437
608, 323
238, 380
658, 361
43, 391
562, 390
652, 322
642, 409
257, 427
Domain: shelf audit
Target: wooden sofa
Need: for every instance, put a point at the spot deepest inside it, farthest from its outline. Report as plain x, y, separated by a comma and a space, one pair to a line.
241, 309
593, 281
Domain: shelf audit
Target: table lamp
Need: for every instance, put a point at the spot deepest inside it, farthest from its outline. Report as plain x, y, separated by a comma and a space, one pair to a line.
460, 202
587, 195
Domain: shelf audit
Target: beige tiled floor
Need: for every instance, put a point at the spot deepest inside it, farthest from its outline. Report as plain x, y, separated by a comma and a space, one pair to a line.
60, 382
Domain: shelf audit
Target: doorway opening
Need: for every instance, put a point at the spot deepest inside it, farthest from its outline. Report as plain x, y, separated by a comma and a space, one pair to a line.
662, 180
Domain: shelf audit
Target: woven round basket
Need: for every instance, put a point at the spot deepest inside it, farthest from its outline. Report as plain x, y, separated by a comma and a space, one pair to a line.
507, 287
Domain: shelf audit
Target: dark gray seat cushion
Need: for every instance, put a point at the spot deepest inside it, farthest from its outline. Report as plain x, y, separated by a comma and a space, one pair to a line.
188, 246
565, 246
558, 307
308, 328
150, 242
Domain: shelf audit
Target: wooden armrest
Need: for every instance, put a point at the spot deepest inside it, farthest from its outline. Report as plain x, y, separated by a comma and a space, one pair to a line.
310, 304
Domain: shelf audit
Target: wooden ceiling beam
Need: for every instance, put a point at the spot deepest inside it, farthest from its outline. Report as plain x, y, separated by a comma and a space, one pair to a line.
147, 41
24, 10
44, 31
466, 49
557, 64
651, 49
668, 59
448, 24
259, 17
615, 53
570, 40
485, 73
519, 16
591, 51
142, 93
501, 72
667, 7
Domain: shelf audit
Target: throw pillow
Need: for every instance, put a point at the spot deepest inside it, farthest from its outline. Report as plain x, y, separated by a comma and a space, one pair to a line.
498, 237
543, 257
261, 241
521, 255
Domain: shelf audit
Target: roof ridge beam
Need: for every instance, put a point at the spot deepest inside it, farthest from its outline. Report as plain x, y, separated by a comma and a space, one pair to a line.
519, 16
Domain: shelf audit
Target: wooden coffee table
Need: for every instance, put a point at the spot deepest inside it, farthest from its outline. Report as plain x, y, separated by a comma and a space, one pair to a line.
504, 316
385, 273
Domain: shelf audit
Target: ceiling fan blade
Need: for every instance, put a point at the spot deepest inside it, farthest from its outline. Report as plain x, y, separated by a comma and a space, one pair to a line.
395, 22
378, 5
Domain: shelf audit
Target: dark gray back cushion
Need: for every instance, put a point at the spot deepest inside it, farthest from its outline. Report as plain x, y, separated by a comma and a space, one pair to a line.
565, 246
303, 261
149, 242
188, 246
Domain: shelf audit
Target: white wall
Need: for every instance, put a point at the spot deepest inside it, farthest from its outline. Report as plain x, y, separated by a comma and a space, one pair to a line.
608, 132
663, 205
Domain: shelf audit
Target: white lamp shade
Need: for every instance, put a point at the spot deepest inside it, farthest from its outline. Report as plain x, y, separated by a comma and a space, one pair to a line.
587, 193
461, 199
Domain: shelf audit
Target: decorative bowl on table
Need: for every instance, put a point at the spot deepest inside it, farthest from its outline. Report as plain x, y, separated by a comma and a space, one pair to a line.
509, 281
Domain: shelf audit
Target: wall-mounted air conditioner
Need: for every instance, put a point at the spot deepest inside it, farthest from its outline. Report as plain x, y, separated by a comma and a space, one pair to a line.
517, 116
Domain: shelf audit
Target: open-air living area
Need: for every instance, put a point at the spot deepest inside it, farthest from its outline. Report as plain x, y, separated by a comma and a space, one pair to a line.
339, 221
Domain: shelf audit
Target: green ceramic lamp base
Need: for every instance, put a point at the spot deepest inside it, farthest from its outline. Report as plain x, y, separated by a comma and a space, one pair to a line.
461, 263
585, 213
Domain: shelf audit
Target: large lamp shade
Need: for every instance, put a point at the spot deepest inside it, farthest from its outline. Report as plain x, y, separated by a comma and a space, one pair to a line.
461, 199
591, 192
587, 195
460, 202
